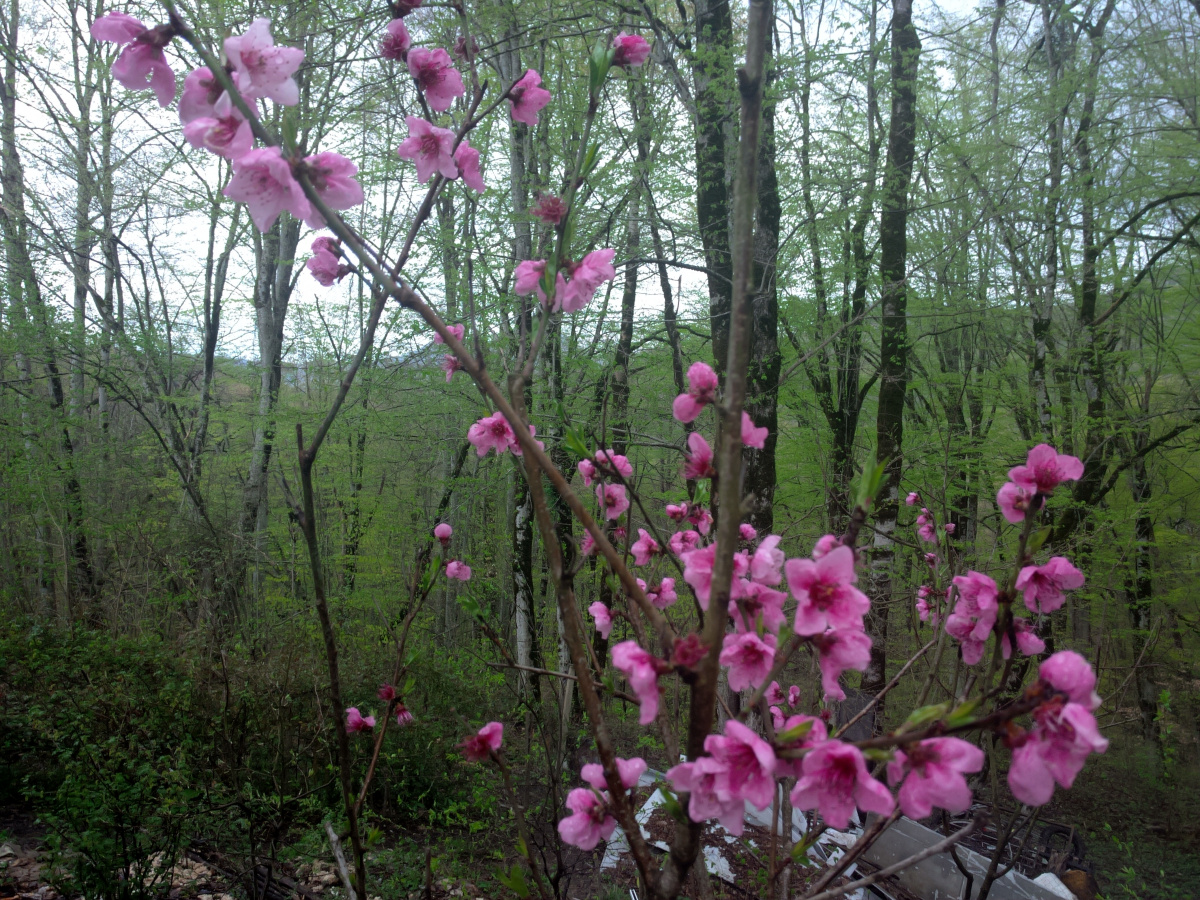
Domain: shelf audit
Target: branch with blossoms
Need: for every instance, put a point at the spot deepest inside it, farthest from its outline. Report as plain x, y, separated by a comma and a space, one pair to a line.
746, 592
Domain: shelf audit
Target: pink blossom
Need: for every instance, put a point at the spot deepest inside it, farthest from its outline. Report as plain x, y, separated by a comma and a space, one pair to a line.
528, 279
527, 97
683, 541
229, 137
749, 658
644, 548
332, 177
642, 670
549, 209
702, 390
974, 614
204, 98
688, 651
705, 780
262, 179
587, 471
1014, 501
491, 433
825, 545
324, 263
431, 148
1070, 673
589, 822
404, 7
443, 533
484, 742
1045, 469
1044, 585
774, 694
757, 602
697, 571
925, 527
461, 51
949, 528
677, 512
586, 277
457, 330
386, 693
628, 770
142, 64
797, 733
838, 650
794, 695
404, 718
396, 41
749, 764
630, 50
603, 618
699, 516
913, 498
435, 75
1028, 643
698, 461
825, 591
932, 775
612, 499
835, 780
611, 463
662, 595
931, 560
356, 721
264, 69
1063, 736
767, 562
466, 158
751, 435
458, 570
746, 532
450, 365
588, 547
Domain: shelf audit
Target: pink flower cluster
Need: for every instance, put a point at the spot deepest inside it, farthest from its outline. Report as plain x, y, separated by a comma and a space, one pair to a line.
494, 433
575, 284
1064, 731
1044, 470
591, 820
483, 743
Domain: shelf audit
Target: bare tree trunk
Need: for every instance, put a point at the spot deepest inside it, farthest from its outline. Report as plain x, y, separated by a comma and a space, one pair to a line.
712, 75
762, 385
893, 349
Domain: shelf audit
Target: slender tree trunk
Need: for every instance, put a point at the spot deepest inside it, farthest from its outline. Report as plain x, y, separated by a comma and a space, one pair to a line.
713, 80
893, 349
762, 385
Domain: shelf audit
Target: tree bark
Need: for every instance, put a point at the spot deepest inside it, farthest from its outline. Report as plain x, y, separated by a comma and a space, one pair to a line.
893, 349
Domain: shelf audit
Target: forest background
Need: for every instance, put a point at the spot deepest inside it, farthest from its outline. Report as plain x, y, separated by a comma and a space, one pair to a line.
160, 663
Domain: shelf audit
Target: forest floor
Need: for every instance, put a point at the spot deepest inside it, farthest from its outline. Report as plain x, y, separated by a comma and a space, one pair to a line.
1141, 832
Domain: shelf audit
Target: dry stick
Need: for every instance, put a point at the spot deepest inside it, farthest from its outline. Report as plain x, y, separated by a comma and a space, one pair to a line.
864, 842
937, 848
340, 859
891, 684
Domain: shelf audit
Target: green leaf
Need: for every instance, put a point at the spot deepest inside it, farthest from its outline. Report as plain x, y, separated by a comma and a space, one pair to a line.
962, 714
671, 803
470, 605
577, 443
870, 483
589, 161
1037, 539
514, 880
877, 754
795, 733
924, 715
598, 65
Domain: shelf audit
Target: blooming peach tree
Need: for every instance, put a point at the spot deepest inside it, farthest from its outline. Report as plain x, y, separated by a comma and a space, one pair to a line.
700, 590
